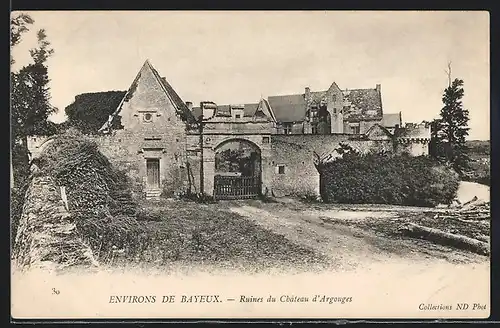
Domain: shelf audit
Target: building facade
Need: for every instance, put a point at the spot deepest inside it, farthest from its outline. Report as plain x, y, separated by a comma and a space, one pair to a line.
269, 147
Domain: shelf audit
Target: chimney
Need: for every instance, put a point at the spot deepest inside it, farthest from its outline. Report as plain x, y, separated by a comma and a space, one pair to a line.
378, 88
208, 109
307, 92
189, 105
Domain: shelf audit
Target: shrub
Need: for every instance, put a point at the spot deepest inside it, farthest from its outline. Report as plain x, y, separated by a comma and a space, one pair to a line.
387, 179
479, 172
486, 180
98, 194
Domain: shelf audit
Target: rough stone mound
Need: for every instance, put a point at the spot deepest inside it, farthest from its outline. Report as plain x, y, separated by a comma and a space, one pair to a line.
47, 235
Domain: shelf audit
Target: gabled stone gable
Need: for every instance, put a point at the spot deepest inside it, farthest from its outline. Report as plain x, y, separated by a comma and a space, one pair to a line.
150, 127
378, 132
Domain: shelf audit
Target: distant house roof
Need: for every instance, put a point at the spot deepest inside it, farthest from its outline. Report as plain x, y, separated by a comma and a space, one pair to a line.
289, 108
378, 132
391, 120
260, 109
248, 110
362, 104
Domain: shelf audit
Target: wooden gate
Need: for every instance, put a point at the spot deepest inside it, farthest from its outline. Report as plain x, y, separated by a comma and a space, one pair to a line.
236, 187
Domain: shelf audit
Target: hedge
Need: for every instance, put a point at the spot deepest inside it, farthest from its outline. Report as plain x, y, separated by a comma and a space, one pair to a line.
387, 179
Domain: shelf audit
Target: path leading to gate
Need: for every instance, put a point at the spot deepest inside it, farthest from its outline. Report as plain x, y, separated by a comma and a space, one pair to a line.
349, 246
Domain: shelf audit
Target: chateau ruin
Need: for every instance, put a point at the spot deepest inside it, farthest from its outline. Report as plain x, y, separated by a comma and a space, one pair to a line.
234, 151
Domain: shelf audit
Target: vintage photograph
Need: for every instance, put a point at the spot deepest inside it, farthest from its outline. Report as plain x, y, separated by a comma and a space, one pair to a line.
250, 164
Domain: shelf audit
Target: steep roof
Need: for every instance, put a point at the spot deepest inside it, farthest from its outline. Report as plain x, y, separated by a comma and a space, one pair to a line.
248, 110
264, 108
362, 104
179, 105
378, 132
391, 120
174, 97
289, 108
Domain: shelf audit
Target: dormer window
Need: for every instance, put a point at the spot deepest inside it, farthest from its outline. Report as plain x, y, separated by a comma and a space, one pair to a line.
236, 111
147, 117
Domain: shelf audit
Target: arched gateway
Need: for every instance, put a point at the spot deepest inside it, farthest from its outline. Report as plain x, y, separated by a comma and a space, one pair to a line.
238, 170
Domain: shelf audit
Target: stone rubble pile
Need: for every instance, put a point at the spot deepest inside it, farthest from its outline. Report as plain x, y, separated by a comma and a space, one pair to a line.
47, 236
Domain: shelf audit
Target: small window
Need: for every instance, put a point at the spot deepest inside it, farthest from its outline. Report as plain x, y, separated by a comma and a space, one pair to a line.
355, 129
265, 140
334, 98
148, 117
238, 116
287, 129
281, 169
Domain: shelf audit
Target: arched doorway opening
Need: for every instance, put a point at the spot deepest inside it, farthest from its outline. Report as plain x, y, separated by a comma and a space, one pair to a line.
238, 170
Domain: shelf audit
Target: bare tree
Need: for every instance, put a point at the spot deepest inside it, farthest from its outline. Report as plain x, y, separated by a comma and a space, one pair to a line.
448, 72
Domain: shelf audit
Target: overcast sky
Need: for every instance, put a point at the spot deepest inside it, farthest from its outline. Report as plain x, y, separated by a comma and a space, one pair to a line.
237, 57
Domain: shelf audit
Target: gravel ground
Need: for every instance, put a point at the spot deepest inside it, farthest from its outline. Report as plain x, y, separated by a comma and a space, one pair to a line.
352, 238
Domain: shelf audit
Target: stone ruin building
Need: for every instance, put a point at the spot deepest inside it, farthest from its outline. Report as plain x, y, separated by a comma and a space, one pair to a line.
236, 151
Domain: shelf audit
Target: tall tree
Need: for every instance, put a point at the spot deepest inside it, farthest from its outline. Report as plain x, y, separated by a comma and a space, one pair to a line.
30, 97
452, 127
18, 25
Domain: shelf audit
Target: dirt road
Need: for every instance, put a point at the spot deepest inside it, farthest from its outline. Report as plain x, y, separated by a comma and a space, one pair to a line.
326, 230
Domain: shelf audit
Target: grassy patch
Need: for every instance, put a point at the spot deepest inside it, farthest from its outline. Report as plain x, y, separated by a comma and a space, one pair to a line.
194, 233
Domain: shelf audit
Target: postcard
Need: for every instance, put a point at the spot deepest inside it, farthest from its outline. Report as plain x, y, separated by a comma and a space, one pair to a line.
250, 164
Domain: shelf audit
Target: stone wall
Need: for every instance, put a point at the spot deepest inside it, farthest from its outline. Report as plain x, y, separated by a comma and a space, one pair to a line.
413, 139
181, 158
298, 175
128, 150
324, 144
297, 154
364, 126
419, 147
46, 235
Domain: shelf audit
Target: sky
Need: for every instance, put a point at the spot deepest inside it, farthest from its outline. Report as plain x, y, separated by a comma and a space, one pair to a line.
238, 57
